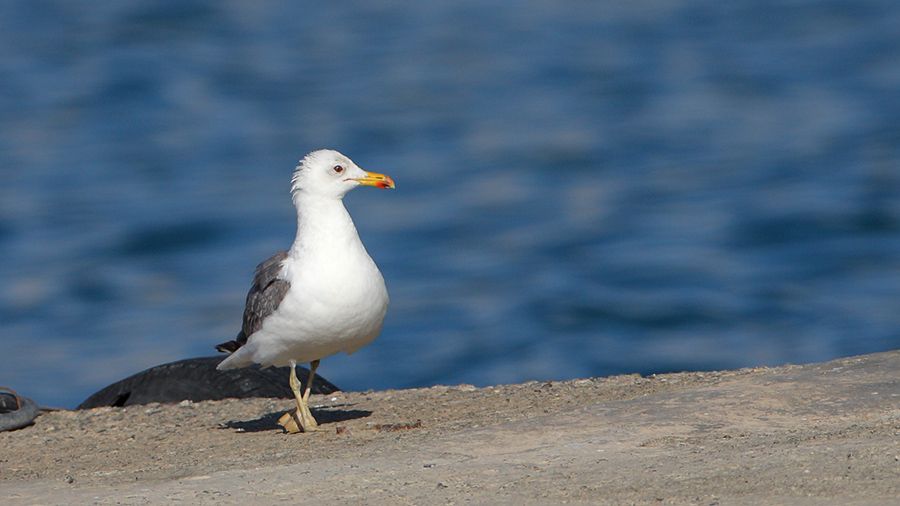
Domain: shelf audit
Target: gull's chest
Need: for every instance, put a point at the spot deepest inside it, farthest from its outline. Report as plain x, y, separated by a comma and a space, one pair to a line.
341, 278
332, 305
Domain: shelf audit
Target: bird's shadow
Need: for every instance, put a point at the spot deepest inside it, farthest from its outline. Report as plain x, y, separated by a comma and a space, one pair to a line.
269, 421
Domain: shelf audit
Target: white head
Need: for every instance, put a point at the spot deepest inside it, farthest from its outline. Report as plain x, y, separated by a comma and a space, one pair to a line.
327, 173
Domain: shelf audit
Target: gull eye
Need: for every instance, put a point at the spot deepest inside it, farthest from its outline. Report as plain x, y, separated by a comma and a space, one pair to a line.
337, 169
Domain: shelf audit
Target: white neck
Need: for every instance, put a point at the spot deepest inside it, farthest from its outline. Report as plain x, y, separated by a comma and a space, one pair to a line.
325, 222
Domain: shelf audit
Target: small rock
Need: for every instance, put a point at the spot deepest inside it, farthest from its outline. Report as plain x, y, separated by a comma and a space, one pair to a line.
391, 427
187, 403
69, 479
441, 485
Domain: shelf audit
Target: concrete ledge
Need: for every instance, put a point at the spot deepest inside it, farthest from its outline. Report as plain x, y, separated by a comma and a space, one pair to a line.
821, 433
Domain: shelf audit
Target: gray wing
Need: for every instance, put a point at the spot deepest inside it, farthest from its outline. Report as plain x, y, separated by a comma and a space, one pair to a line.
263, 299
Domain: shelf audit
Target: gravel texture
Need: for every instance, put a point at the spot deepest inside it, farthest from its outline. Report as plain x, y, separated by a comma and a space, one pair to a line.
815, 434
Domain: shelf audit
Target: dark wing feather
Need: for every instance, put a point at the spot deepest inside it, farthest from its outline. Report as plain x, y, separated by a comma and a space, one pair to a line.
263, 299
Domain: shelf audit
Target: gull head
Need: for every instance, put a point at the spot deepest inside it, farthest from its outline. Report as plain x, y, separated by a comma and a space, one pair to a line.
327, 173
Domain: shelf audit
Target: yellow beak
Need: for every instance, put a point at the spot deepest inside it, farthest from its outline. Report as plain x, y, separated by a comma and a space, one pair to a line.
377, 180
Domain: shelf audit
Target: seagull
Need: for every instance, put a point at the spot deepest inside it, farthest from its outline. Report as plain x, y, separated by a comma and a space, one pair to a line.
324, 295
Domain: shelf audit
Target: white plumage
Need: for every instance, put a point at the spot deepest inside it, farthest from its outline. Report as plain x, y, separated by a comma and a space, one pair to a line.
336, 299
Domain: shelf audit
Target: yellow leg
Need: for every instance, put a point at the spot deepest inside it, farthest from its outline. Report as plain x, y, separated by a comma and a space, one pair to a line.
309, 422
300, 420
309, 381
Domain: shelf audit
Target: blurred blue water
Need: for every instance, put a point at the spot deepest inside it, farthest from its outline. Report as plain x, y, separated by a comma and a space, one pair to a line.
583, 188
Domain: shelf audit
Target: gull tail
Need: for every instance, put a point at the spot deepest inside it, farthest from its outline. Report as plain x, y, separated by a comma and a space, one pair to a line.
240, 358
228, 346
240, 355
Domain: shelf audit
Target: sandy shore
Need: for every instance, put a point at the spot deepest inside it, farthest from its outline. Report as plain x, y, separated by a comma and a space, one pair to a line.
814, 434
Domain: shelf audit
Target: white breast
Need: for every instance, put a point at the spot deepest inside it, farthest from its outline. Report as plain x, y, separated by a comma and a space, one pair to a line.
337, 298
337, 302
